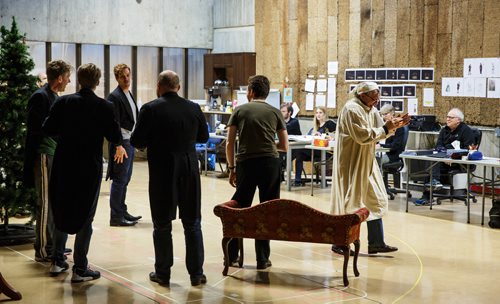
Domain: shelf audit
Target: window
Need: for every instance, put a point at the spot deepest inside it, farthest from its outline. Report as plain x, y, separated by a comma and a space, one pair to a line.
173, 59
147, 74
37, 52
195, 73
94, 53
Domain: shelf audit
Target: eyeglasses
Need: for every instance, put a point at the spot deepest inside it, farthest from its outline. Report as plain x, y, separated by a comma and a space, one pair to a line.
377, 97
451, 117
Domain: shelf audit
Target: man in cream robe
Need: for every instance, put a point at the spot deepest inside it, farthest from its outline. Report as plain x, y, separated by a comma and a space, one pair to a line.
357, 180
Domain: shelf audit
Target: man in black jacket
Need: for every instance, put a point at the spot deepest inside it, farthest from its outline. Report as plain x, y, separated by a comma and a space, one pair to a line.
39, 153
80, 121
454, 131
169, 127
292, 124
126, 114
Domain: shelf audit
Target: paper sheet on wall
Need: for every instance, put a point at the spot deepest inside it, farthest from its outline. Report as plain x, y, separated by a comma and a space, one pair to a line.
448, 86
296, 109
321, 85
309, 102
492, 67
428, 97
310, 85
332, 93
320, 100
333, 67
479, 87
468, 87
493, 88
412, 106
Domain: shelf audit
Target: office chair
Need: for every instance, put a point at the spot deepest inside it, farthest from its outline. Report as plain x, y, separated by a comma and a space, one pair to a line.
218, 147
451, 174
395, 168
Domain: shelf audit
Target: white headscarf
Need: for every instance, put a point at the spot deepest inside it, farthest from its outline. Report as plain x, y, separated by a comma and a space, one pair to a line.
363, 87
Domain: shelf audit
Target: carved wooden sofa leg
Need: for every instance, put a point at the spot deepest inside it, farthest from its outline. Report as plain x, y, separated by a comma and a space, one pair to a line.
225, 242
8, 290
346, 251
356, 254
240, 247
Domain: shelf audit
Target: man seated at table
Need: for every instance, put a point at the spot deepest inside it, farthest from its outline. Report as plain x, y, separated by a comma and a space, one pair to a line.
455, 130
292, 128
322, 125
292, 124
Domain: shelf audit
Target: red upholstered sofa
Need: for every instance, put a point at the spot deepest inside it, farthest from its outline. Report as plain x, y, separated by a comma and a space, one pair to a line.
288, 220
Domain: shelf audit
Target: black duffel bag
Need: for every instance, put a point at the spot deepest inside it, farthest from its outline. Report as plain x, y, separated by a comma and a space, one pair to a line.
495, 215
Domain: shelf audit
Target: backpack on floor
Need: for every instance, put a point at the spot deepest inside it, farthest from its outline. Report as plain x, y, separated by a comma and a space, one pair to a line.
495, 215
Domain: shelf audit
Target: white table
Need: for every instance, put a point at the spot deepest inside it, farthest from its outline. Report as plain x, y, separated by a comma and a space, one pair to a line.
486, 162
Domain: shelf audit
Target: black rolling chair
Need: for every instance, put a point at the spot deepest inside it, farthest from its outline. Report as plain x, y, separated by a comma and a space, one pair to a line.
459, 194
395, 168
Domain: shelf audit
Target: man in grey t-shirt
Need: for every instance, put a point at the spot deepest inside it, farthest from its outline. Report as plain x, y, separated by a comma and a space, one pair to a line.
257, 161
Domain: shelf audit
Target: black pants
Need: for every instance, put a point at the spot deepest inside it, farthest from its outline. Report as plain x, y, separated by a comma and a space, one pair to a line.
375, 233
264, 173
301, 156
441, 169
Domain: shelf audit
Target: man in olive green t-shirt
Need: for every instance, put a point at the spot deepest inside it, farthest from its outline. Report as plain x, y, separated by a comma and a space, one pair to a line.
257, 161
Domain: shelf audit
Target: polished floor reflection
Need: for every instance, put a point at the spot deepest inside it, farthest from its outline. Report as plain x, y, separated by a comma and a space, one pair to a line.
441, 259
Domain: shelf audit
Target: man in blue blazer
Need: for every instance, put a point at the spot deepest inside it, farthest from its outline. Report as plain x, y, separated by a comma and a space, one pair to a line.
126, 112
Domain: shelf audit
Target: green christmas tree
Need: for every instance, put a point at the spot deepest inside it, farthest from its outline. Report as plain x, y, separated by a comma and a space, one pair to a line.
16, 87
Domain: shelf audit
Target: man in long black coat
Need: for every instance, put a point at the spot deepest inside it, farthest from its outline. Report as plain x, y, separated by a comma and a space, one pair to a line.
80, 121
169, 127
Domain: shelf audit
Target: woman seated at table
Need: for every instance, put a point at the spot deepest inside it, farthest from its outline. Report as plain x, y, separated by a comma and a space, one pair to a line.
322, 125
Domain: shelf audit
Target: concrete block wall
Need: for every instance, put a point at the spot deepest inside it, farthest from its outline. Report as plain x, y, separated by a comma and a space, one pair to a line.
234, 26
167, 23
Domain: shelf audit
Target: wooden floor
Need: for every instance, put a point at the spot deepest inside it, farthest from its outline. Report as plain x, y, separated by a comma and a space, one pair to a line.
441, 259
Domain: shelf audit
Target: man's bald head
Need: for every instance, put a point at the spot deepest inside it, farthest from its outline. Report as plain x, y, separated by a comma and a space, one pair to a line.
168, 81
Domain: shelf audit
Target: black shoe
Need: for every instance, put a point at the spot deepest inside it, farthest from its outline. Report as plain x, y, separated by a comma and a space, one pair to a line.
155, 278
340, 251
68, 250
198, 280
298, 184
264, 265
385, 248
121, 222
88, 274
132, 218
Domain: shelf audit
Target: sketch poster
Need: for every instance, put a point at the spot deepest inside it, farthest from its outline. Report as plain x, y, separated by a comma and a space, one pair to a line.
428, 97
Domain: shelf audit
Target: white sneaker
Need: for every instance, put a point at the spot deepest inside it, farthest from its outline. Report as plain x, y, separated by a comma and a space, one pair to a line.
56, 269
